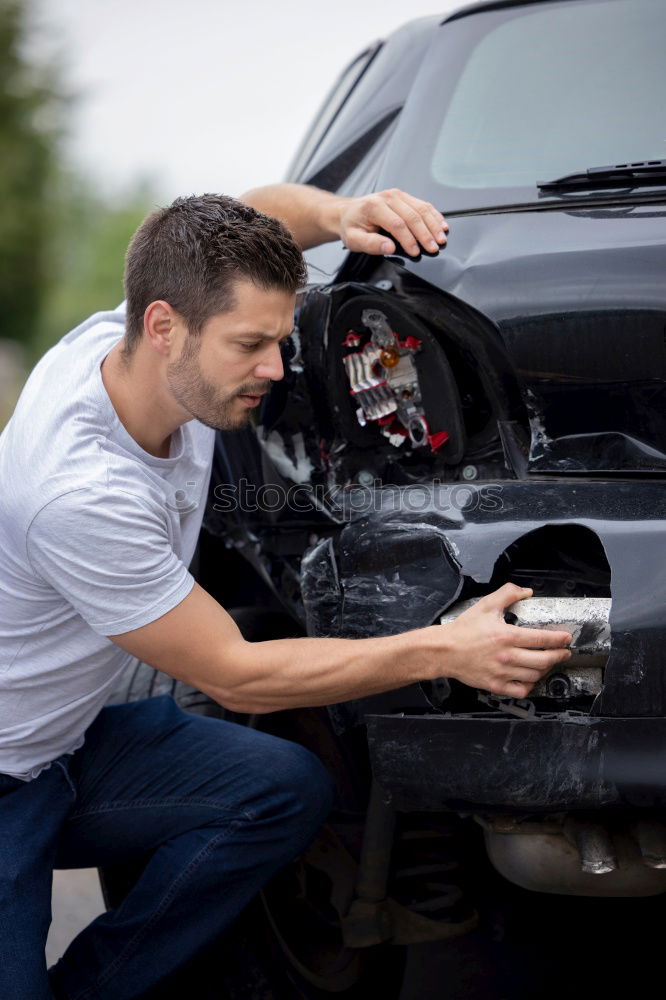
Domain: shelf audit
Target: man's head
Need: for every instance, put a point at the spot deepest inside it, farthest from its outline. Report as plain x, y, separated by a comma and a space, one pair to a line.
212, 281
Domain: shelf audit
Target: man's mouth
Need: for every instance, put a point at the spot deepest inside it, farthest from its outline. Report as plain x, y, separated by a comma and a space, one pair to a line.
250, 399
254, 394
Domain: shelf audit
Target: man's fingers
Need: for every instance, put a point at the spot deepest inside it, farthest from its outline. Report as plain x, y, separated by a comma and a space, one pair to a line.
379, 213
524, 668
506, 595
408, 220
536, 659
416, 224
512, 688
531, 638
434, 220
515, 689
391, 211
525, 675
539, 638
373, 243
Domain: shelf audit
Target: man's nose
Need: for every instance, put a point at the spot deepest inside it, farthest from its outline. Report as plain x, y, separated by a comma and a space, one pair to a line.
270, 366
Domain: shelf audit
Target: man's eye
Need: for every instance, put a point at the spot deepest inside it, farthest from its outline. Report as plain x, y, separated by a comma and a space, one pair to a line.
250, 346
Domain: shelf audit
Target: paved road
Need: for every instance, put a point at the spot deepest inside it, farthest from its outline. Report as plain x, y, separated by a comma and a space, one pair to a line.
583, 948
77, 899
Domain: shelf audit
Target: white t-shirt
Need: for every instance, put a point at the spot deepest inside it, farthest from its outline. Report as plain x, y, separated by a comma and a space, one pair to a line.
96, 536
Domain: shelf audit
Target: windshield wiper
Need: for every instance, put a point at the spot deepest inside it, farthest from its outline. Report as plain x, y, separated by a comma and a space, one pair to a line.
618, 175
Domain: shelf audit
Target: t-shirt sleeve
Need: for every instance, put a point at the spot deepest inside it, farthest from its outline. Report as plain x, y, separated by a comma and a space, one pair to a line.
110, 556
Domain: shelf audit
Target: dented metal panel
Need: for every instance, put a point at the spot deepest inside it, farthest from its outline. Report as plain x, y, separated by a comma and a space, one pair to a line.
547, 764
403, 563
578, 298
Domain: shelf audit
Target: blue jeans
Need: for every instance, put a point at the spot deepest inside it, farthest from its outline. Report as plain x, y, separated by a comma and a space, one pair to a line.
212, 808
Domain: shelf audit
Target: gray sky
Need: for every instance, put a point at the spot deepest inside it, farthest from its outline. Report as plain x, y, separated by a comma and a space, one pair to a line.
205, 95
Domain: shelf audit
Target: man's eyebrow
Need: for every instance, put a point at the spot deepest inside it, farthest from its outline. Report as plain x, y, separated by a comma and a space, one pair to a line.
260, 335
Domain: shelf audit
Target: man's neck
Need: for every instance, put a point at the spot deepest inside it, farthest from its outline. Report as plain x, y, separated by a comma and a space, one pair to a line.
137, 395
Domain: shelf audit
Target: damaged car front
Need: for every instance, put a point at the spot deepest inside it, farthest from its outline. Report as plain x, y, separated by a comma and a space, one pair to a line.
493, 412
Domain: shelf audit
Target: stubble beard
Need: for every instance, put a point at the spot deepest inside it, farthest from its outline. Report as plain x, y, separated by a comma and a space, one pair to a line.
193, 391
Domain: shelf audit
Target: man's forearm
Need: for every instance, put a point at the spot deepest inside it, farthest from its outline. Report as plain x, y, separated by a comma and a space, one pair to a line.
479, 648
315, 216
289, 673
312, 215
199, 643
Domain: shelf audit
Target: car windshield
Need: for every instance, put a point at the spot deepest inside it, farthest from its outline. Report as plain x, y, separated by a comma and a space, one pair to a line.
511, 97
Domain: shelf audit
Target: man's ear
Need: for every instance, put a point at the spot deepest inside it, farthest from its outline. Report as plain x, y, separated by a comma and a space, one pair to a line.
160, 322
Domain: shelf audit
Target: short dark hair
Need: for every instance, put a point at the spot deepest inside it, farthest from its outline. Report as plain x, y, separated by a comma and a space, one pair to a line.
191, 252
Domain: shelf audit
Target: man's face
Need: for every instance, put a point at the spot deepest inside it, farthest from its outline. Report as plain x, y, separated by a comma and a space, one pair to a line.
221, 375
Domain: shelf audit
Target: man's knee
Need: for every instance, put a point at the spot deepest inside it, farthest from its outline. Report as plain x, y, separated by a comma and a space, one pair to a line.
312, 784
300, 789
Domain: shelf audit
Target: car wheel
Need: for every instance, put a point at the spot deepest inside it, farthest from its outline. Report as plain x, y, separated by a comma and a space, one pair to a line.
303, 929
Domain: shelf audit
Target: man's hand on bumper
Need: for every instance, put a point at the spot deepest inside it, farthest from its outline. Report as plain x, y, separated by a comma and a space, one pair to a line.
483, 651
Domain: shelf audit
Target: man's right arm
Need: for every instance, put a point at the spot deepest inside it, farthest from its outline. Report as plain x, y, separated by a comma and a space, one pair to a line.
199, 643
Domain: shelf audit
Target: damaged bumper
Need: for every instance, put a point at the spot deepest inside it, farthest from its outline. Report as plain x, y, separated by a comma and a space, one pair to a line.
591, 740
412, 552
476, 763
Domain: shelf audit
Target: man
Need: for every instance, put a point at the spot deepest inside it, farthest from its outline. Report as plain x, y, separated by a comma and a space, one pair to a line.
114, 421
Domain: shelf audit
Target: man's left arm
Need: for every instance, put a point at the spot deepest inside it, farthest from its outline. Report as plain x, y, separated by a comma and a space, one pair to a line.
315, 216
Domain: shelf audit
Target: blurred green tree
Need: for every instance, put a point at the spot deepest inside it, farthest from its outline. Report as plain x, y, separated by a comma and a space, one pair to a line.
30, 109
62, 244
86, 252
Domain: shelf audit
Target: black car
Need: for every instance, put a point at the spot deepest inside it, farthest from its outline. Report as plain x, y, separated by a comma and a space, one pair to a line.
494, 412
